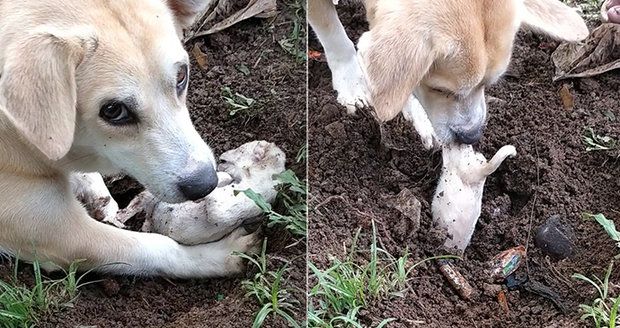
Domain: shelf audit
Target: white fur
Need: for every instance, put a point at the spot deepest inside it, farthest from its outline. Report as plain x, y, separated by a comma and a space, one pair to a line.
347, 77
251, 166
457, 202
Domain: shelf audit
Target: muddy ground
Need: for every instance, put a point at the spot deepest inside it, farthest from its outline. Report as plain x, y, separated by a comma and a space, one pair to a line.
277, 81
355, 178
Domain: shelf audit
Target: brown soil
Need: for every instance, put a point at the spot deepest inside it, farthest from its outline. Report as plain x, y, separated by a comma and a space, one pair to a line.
277, 81
355, 178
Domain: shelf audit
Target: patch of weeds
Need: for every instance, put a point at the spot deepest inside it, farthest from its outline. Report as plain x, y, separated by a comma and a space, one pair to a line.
294, 44
597, 142
22, 306
268, 289
590, 9
604, 309
347, 287
608, 225
292, 194
238, 103
302, 154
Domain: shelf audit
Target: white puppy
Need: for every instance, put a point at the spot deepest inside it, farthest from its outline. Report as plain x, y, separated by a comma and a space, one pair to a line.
458, 200
251, 166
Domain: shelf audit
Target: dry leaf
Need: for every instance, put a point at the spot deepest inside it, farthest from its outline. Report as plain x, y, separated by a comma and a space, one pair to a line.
201, 57
255, 8
568, 100
314, 55
598, 54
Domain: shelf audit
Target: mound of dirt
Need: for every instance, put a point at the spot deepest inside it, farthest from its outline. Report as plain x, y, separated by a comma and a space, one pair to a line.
355, 177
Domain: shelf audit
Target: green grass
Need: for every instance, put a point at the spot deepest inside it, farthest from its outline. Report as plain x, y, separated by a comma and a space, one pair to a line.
238, 103
269, 290
597, 142
348, 286
591, 9
295, 44
23, 306
603, 312
292, 194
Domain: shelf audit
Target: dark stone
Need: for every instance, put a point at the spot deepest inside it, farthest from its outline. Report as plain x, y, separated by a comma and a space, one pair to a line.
555, 238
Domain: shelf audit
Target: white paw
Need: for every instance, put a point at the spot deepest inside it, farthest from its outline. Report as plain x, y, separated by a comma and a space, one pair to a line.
239, 241
414, 113
109, 212
350, 83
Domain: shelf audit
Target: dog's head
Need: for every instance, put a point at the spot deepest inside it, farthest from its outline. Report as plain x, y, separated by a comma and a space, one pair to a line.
447, 52
106, 82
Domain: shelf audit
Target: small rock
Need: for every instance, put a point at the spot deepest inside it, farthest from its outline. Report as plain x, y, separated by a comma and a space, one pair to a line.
409, 206
555, 238
491, 290
111, 287
336, 130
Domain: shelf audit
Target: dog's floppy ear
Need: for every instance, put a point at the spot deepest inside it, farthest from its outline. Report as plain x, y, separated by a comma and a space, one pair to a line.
38, 88
186, 11
555, 19
396, 60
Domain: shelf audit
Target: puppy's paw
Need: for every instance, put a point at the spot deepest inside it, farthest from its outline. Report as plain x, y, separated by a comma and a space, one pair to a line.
252, 158
239, 241
350, 83
508, 151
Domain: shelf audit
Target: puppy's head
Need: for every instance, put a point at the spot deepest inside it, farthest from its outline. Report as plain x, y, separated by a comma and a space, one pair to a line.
447, 52
106, 82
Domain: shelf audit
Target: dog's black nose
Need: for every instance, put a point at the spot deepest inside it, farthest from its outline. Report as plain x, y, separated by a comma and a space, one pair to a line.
199, 183
468, 137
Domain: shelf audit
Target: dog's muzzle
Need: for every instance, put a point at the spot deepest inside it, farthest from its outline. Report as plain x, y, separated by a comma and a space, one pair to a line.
198, 183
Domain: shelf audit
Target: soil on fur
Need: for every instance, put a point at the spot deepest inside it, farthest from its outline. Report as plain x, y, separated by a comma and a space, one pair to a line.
277, 81
356, 173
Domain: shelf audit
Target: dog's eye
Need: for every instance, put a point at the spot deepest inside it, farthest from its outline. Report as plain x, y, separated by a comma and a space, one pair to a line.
116, 113
182, 78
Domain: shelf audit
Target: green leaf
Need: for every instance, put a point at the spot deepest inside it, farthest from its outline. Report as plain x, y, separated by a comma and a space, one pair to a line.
243, 69
608, 225
257, 199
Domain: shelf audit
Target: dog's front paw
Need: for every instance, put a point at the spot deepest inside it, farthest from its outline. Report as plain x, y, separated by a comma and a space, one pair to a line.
414, 112
350, 84
240, 241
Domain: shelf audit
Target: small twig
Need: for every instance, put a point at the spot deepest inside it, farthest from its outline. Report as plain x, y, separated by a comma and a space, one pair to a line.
529, 229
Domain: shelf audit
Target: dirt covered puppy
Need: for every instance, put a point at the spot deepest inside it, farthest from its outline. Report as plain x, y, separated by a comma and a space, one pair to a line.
457, 201
444, 52
100, 86
250, 166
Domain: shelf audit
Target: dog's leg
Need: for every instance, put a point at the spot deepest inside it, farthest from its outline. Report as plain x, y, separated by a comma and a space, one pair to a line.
347, 77
498, 158
414, 112
42, 220
91, 191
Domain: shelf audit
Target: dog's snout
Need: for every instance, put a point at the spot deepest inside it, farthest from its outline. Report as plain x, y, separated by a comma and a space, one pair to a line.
468, 137
198, 183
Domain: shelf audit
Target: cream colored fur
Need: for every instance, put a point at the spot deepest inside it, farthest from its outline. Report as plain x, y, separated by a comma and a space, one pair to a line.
60, 61
444, 52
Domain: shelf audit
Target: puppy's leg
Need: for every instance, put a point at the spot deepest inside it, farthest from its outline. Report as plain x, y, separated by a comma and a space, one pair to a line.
91, 191
414, 112
42, 220
498, 158
251, 166
347, 77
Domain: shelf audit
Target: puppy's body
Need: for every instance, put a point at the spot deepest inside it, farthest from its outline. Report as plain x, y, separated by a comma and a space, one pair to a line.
457, 201
444, 52
99, 86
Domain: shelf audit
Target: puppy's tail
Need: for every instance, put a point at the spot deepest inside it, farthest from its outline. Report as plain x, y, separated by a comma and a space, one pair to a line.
498, 158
